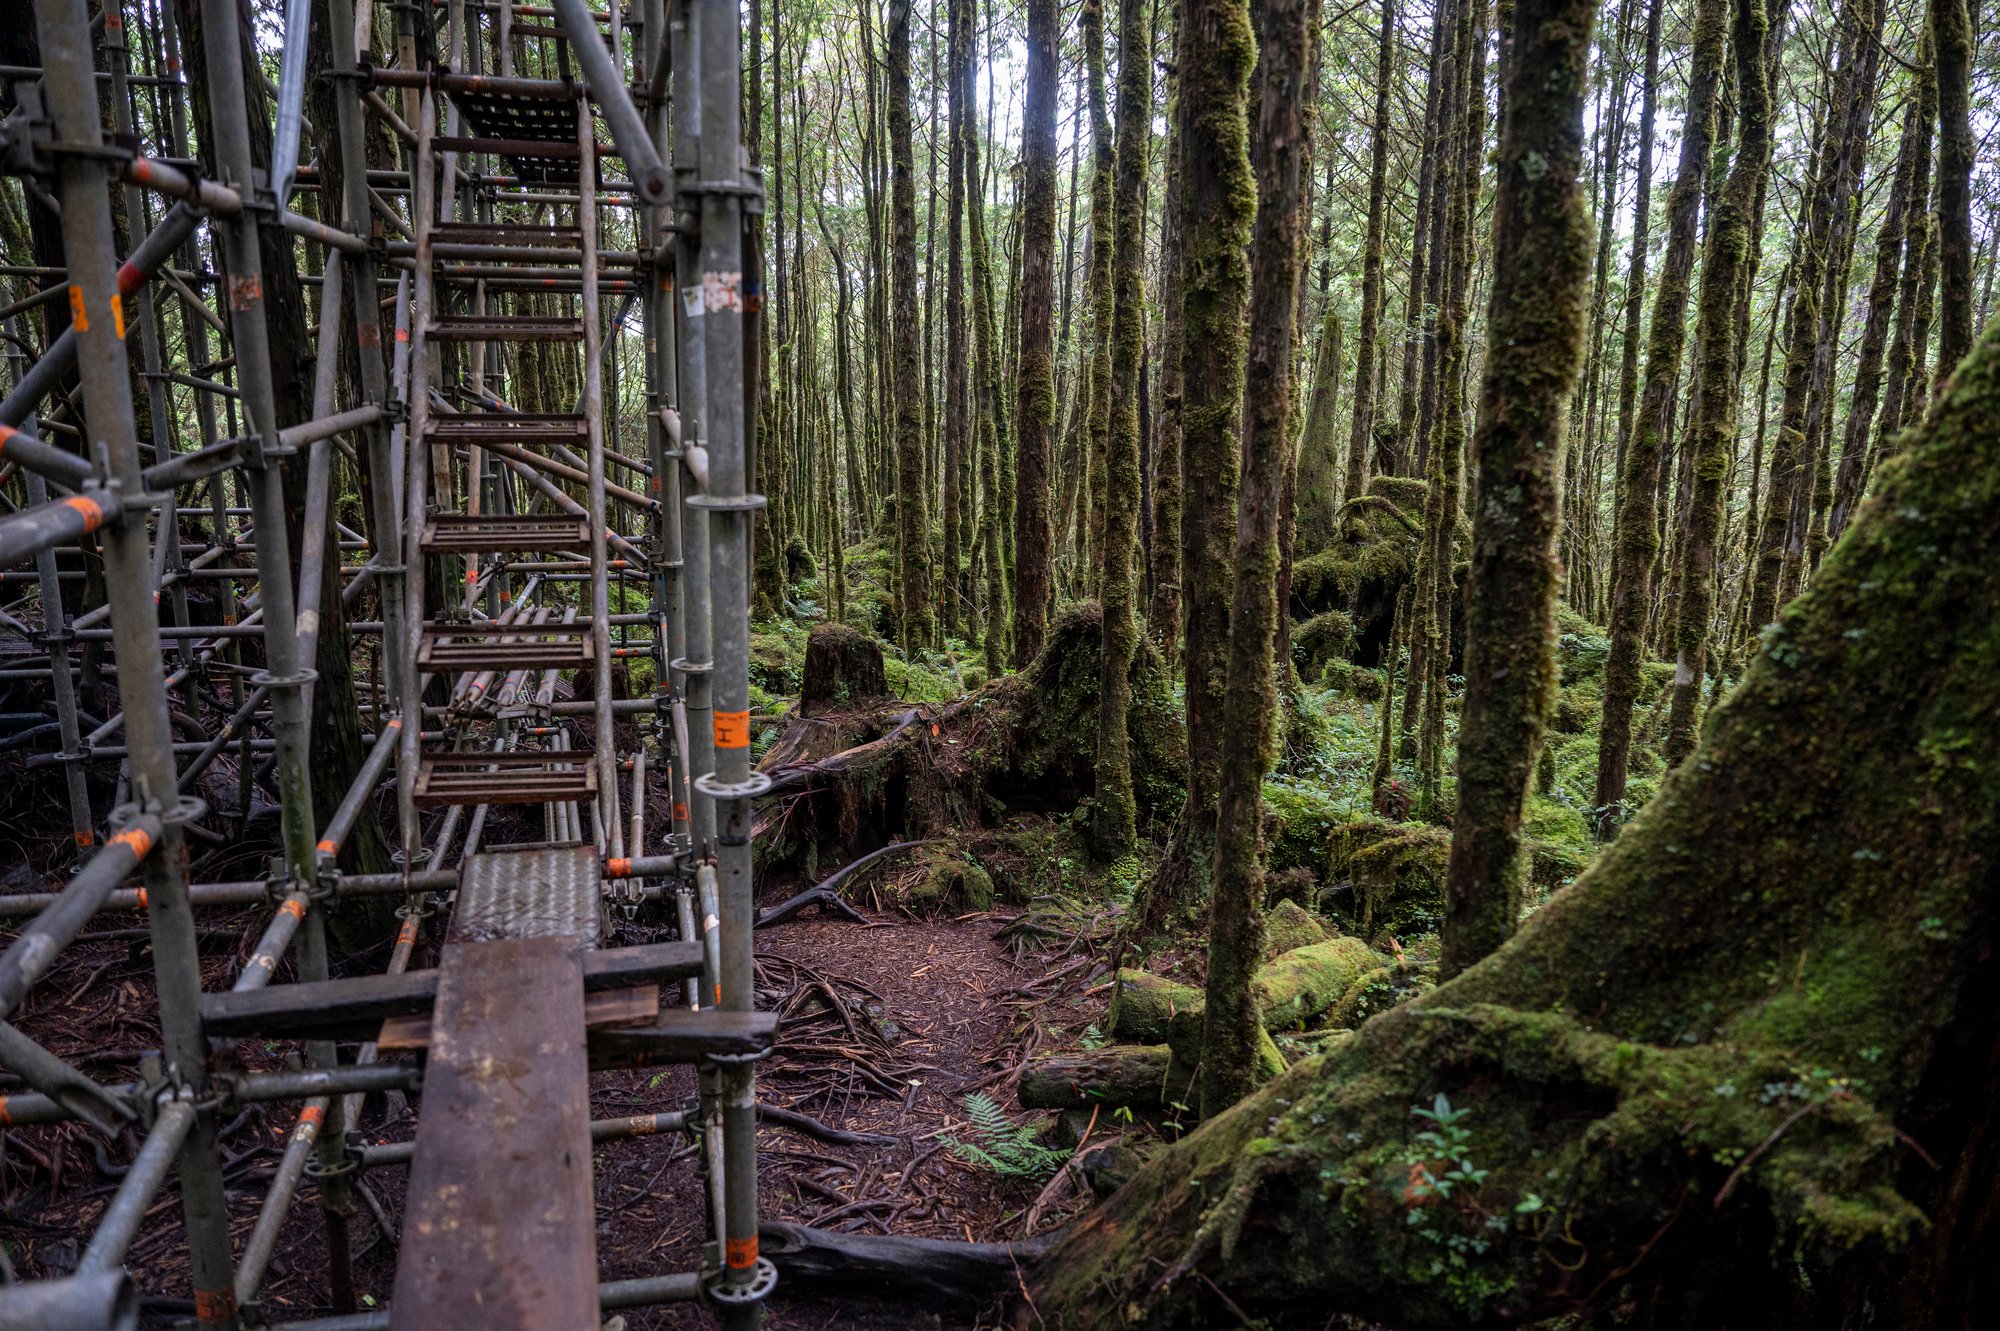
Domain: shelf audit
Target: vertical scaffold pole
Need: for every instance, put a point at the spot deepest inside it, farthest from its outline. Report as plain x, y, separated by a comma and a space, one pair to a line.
723, 191
70, 86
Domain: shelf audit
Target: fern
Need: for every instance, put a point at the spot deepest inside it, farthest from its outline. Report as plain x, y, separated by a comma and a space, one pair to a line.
1002, 1146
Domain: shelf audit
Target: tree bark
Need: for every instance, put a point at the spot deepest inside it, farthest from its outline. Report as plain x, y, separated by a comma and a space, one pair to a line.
1114, 815
917, 613
1232, 1027
1951, 41
1035, 401
1365, 385
1638, 534
1541, 269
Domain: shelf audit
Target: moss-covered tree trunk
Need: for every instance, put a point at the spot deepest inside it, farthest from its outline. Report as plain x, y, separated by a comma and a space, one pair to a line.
1742, 1073
1163, 614
1638, 532
1232, 1027
1867, 391
1035, 389
956, 426
1951, 42
916, 611
1712, 436
1365, 353
1218, 199
1541, 267
1316, 458
1099, 295
1905, 347
1114, 817
994, 431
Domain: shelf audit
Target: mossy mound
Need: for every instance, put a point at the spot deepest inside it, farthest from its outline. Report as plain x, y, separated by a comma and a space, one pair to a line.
1052, 749
777, 656
1395, 873
1321, 640
1354, 681
1289, 925
842, 665
944, 878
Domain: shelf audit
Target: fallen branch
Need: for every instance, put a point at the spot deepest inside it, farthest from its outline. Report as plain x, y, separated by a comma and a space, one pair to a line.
826, 893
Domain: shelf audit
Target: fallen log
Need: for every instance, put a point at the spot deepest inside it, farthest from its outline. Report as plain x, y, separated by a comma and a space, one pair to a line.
1119, 1074
820, 1261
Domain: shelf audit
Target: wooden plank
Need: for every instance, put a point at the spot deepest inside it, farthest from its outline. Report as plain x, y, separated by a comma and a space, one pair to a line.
604, 1010
354, 1009
681, 1035
499, 1232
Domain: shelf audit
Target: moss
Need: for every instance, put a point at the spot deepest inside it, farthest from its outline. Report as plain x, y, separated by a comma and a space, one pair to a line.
1302, 983
1298, 818
1321, 640
777, 655
1288, 925
945, 878
1395, 873
1354, 681
842, 665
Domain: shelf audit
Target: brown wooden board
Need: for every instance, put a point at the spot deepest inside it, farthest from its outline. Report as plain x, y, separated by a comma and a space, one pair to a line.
601, 1011
355, 1008
499, 1232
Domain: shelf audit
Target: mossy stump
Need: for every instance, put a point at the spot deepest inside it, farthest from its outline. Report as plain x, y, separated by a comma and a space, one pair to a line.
843, 665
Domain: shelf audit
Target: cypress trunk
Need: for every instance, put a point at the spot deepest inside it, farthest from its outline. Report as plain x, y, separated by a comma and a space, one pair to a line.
1232, 1027
1035, 400
1541, 269
1951, 41
916, 609
1639, 480
1114, 818
1365, 385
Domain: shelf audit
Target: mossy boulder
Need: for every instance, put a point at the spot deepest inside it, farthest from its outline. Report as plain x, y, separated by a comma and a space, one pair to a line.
947, 879
1299, 985
842, 665
1289, 925
1325, 638
1355, 681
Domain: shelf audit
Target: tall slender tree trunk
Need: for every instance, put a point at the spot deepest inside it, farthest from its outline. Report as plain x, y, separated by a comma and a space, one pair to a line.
1889, 247
1103, 232
1114, 818
1035, 392
1904, 346
1541, 270
1232, 1027
1365, 385
1639, 479
1951, 40
1164, 615
1712, 439
917, 611
1218, 201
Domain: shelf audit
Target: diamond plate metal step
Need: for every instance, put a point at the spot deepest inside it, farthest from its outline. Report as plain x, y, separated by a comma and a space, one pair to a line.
457, 648
465, 534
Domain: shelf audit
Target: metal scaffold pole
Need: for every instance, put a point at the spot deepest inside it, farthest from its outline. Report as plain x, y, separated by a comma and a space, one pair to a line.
98, 320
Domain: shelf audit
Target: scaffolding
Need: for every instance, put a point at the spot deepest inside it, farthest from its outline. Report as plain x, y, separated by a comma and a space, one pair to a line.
453, 220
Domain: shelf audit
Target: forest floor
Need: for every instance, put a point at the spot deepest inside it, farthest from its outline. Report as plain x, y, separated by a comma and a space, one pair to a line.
888, 1027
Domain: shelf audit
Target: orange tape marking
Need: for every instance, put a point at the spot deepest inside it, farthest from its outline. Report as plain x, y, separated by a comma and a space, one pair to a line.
326, 848
618, 868
142, 898
311, 1116
93, 512
215, 1305
732, 730
293, 907
742, 1252
6, 1115
78, 315
137, 839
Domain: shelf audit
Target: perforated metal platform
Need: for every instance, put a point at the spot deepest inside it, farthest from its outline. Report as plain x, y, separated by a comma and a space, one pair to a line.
528, 892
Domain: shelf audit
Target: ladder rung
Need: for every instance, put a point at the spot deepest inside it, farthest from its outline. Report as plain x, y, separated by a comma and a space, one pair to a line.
505, 328
506, 428
464, 534
505, 778
459, 648
505, 234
